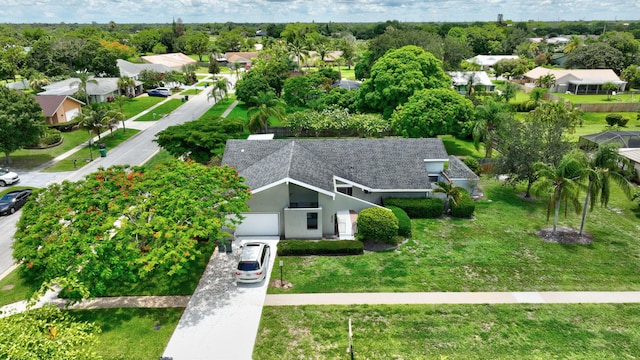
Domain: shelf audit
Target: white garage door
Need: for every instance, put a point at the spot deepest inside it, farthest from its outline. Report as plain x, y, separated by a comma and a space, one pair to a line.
259, 225
71, 114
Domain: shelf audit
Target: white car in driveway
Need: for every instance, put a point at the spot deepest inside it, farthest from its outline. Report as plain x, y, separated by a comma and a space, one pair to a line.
254, 262
8, 177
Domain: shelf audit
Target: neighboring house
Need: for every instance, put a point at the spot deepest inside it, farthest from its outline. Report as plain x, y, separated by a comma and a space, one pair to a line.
242, 58
174, 61
460, 81
308, 189
59, 108
347, 84
487, 61
312, 58
18, 85
633, 154
577, 81
622, 139
103, 90
133, 70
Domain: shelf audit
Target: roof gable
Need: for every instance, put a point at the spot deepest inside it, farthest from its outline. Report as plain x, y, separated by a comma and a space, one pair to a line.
51, 104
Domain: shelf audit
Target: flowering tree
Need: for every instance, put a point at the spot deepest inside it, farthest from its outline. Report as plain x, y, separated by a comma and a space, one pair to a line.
127, 224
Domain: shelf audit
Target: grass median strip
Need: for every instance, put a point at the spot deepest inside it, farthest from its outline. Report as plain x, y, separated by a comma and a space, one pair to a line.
511, 331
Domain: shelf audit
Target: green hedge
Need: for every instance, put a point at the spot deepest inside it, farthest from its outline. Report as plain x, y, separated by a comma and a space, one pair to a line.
404, 222
377, 224
430, 208
525, 106
320, 247
66, 126
466, 206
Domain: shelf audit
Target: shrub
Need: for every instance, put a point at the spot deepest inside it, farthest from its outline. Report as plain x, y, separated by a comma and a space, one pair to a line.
377, 224
321, 247
404, 222
525, 106
465, 208
613, 119
473, 165
66, 126
50, 137
418, 208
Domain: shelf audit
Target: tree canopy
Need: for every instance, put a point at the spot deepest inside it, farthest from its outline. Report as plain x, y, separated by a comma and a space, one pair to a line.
398, 74
21, 121
200, 139
596, 56
432, 112
123, 225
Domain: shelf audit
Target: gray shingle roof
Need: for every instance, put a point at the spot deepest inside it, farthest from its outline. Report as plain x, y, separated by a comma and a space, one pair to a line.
381, 164
458, 170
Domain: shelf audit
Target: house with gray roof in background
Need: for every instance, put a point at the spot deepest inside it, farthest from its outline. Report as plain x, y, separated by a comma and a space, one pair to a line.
101, 91
461, 80
133, 70
312, 189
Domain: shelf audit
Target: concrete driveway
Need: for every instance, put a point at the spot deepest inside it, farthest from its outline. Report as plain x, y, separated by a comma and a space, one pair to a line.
221, 320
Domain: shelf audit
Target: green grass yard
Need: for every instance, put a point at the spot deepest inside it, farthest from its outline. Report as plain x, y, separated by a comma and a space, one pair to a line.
26, 159
161, 111
599, 98
138, 104
513, 331
219, 108
496, 251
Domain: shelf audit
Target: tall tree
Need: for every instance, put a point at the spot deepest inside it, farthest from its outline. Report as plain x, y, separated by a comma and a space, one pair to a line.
266, 106
126, 85
489, 116
596, 56
561, 183
124, 224
21, 121
198, 43
397, 75
603, 168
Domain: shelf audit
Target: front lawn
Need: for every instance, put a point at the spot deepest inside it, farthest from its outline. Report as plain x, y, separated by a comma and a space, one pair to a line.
131, 333
161, 111
496, 251
219, 108
137, 105
26, 159
240, 112
14, 289
513, 331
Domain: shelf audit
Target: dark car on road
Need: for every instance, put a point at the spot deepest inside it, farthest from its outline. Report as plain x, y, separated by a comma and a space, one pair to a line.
13, 201
164, 92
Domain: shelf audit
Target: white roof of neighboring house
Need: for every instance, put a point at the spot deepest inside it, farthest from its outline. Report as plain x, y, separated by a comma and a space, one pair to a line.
576, 76
70, 87
133, 70
174, 60
18, 85
632, 154
459, 78
490, 60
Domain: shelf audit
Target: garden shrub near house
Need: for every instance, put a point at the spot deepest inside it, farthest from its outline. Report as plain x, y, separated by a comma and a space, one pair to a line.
465, 208
616, 120
377, 224
473, 164
418, 208
404, 222
321, 247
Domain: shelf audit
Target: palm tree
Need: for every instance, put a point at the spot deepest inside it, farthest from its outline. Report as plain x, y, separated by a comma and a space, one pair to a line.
452, 193
489, 116
236, 66
575, 43
221, 85
267, 105
561, 183
298, 48
120, 101
84, 78
601, 171
125, 85
38, 80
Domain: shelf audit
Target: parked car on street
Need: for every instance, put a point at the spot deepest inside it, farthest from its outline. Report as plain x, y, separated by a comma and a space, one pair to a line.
8, 177
164, 92
13, 201
254, 262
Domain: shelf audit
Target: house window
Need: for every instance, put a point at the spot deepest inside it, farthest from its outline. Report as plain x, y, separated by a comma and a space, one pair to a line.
434, 178
347, 190
312, 221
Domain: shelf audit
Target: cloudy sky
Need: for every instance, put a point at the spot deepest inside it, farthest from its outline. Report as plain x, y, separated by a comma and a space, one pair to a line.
266, 11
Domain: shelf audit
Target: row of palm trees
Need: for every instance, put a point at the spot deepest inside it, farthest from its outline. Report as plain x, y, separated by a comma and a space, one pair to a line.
579, 172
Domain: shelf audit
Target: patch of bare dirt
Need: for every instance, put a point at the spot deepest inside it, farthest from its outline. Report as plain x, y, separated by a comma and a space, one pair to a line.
281, 285
565, 235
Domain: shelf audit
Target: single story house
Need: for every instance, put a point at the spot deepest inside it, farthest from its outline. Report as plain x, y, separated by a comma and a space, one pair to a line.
487, 61
577, 81
59, 108
101, 91
311, 189
174, 61
242, 58
133, 70
460, 80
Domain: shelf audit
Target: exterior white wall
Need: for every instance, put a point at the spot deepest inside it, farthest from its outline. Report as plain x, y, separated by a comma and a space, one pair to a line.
295, 220
434, 167
271, 201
